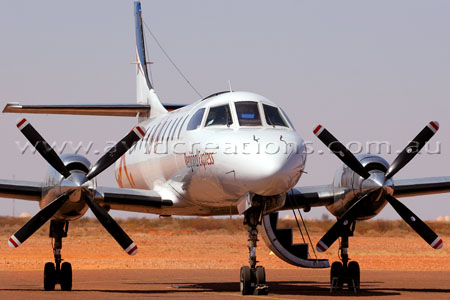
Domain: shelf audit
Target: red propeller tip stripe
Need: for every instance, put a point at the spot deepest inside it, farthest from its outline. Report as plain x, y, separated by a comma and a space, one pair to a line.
321, 247
140, 131
317, 129
132, 249
435, 125
13, 242
21, 123
438, 243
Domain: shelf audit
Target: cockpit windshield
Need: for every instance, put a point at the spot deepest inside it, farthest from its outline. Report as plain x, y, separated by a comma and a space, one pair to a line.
273, 116
219, 115
248, 113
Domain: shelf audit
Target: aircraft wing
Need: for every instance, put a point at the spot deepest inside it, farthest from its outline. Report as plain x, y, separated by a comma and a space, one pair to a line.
130, 199
115, 198
322, 195
309, 196
421, 186
24, 190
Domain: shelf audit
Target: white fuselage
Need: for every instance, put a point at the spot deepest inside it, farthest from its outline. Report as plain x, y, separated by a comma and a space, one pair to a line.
206, 170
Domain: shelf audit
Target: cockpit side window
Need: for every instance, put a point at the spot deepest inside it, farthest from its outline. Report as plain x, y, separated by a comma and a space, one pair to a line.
219, 115
287, 118
273, 116
196, 120
248, 113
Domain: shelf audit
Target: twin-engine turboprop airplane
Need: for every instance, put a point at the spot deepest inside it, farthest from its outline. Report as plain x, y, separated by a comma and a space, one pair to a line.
229, 153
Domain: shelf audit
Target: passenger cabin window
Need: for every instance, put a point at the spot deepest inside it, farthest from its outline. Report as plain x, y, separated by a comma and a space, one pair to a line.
160, 131
181, 126
248, 113
196, 120
219, 115
177, 122
273, 116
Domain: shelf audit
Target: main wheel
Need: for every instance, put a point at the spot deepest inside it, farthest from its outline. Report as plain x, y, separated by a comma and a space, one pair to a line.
336, 274
260, 275
354, 273
246, 281
49, 276
66, 276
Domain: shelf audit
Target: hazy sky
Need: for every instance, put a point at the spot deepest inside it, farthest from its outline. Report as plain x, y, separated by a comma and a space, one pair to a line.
367, 70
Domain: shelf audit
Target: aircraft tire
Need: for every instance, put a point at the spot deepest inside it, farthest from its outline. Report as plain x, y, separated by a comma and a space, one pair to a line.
246, 281
66, 276
49, 276
354, 273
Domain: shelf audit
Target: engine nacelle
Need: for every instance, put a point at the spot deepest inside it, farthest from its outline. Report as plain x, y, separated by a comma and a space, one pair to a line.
55, 184
349, 186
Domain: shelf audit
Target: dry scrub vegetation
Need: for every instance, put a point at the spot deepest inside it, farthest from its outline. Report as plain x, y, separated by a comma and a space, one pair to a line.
9, 225
211, 243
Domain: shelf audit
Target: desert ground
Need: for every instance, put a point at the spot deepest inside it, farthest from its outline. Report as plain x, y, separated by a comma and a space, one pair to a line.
202, 243
200, 258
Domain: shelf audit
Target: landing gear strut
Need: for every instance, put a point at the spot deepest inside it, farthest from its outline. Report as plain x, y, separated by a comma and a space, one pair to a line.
253, 278
345, 272
56, 272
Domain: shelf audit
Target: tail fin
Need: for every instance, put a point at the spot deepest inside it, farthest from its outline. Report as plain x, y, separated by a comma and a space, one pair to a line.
145, 93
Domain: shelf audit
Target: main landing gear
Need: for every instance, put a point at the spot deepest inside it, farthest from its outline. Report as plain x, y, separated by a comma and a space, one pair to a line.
345, 272
253, 278
56, 272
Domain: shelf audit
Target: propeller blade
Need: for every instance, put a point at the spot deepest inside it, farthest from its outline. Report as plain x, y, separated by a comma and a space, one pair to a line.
341, 151
341, 226
116, 152
112, 227
417, 224
413, 148
37, 221
43, 147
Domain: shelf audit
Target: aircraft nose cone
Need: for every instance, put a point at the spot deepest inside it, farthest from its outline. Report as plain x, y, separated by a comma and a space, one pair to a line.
269, 175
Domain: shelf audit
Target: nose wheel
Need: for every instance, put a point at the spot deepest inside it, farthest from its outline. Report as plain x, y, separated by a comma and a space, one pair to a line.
253, 278
56, 272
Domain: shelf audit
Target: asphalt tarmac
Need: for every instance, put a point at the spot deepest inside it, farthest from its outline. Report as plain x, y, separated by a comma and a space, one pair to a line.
223, 284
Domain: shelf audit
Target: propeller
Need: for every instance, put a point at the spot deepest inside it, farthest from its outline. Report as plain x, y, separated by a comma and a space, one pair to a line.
55, 161
401, 160
417, 224
116, 152
413, 148
341, 151
38, 220
42, 147
112, 227
342, 225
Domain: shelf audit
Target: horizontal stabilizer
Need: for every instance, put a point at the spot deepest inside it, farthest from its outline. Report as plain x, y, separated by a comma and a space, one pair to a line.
118, 110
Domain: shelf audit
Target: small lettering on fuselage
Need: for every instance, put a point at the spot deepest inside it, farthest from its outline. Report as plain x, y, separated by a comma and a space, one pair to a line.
199, 159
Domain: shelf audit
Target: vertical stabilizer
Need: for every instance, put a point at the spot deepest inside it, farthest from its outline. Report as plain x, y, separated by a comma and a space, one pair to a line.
144, 90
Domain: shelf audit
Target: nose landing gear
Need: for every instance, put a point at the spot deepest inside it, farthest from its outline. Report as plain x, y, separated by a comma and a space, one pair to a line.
253, 278
56, 272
